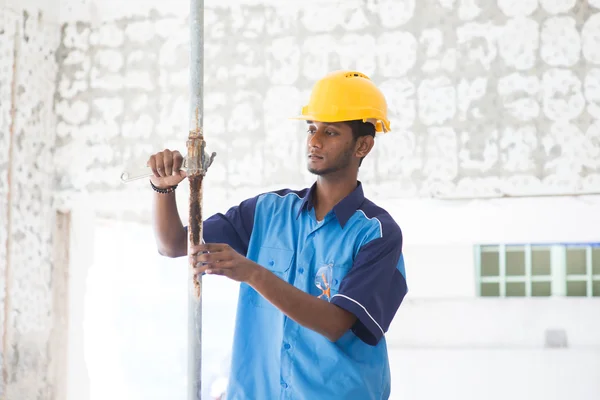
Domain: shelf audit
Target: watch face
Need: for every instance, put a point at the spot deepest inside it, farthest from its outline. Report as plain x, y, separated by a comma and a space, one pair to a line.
323, 281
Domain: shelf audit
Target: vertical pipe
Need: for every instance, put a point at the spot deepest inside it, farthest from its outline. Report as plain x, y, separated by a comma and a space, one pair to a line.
7, 354
59, 335
196, 63
196, 162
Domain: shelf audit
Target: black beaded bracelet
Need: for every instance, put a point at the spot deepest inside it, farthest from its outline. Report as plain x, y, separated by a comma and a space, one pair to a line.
170, 189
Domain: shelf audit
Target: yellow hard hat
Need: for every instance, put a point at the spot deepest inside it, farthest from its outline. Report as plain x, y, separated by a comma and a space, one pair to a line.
347, 96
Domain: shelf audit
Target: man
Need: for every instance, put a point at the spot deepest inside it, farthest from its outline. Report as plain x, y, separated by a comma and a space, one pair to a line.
321, 269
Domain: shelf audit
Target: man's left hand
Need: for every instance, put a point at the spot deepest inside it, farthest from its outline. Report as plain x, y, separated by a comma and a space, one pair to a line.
221, 259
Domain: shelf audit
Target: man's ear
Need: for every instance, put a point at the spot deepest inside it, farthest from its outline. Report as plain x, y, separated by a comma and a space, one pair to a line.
364, 144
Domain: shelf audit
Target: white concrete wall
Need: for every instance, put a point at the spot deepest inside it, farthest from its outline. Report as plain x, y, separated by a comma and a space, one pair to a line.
499, 323
520, 374
447, 343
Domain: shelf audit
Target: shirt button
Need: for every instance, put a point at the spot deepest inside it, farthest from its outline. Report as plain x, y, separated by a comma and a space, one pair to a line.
301, 270
335, 281
271, 263
286, 346
284, 385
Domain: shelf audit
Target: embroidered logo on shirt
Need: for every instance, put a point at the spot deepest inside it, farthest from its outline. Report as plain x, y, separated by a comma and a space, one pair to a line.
323, 281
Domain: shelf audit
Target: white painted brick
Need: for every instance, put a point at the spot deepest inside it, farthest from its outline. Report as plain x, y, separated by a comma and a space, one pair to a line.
590, 38
139, 79
68, 88
592, 92
437, 100
75, 57
140, 128
560, 42
107, 35
518, 43
396, 53
140, 32
75, 36
165, 27
109, 59
75, 112
516, 8
109, 108
468, 10
562, 95
99, 79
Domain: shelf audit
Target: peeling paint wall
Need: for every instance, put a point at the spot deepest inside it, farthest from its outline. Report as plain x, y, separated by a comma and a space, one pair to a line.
485, 98
28, 71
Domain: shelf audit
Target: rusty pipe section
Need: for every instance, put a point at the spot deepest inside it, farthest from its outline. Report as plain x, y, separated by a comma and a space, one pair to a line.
197, 165
196, 160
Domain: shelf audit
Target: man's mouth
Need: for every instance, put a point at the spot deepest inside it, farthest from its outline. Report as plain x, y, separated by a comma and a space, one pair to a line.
314, 157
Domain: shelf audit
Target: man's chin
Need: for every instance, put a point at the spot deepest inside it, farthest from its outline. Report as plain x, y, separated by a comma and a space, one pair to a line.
315, 171
321, 172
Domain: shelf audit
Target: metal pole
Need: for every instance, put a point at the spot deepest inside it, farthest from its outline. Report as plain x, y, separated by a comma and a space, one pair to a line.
9, 356
196, 171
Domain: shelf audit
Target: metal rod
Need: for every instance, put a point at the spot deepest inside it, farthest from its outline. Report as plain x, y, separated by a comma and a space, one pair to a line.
196, 170
7, 355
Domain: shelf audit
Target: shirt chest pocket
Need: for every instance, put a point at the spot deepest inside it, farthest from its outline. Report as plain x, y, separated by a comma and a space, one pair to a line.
328, 279
276, 260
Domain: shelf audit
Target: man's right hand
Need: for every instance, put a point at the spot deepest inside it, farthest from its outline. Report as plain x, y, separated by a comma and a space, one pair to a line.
166, 167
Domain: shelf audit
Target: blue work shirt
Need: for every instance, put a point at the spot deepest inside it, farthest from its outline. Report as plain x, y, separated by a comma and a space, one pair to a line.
357, 249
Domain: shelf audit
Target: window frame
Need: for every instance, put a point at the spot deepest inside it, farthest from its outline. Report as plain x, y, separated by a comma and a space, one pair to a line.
558, 277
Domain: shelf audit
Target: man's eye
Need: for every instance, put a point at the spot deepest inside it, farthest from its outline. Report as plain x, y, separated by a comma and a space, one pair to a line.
330, 133
310, 131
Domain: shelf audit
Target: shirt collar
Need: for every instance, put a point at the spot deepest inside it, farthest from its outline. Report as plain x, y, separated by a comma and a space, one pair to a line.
342, 210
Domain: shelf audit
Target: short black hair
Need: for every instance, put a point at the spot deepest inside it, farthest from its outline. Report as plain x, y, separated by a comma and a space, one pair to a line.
359, 129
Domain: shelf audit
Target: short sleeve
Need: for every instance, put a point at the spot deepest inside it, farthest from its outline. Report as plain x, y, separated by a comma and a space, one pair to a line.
375, 286
233, 228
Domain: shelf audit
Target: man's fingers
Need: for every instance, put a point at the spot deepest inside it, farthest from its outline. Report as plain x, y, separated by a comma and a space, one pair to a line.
223, 268
216, 271
177, 162
160, 166
195, 250
211, 254
200, 269
168, 162
193, 258
213, 247
200, 249
214, 257
152, 164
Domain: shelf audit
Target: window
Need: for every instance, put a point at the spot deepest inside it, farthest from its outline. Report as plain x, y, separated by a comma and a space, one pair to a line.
538, 270
135, 329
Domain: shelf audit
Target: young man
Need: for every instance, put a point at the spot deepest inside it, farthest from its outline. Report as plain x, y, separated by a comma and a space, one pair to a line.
321, 269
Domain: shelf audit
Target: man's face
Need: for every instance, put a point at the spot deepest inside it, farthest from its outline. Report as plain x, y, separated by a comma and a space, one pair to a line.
330, 147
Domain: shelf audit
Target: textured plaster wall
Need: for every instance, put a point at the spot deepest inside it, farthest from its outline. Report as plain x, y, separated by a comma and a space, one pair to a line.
28, 69
484, 97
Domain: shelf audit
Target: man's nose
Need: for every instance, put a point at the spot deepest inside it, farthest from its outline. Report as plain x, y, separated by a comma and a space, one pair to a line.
315, 139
